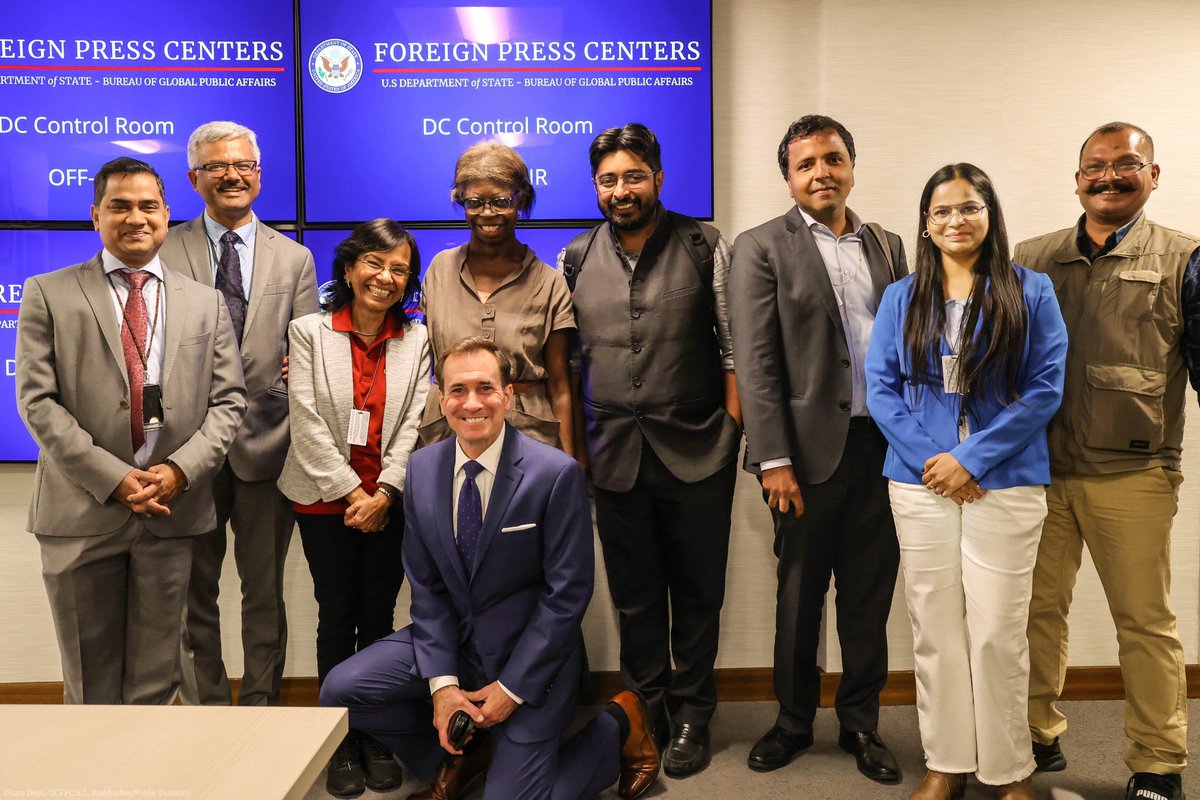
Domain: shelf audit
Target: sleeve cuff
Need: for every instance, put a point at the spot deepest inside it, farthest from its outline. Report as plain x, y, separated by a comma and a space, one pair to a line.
441, 682
511, 696
772, 463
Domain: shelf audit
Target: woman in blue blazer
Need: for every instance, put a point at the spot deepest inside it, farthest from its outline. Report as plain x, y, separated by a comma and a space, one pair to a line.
964, 371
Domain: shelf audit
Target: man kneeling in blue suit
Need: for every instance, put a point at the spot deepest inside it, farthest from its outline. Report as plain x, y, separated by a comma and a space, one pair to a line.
498, 552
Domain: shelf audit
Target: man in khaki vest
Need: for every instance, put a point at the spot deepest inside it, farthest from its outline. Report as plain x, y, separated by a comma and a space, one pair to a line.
1129, 295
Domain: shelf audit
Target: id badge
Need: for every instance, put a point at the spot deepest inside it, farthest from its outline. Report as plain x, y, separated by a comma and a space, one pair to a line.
152, 410
359, 422
950, 376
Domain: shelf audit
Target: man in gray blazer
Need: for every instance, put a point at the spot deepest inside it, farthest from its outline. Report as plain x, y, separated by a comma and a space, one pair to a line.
803, 292
267, 281
128, 380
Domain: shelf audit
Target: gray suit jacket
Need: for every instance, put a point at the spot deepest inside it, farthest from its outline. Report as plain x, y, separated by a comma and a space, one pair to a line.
73, 394
284, 288
322, 396
789, 346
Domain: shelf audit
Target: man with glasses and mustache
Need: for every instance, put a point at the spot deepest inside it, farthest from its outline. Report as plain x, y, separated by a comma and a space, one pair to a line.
1128, 288
267, 280
661, 425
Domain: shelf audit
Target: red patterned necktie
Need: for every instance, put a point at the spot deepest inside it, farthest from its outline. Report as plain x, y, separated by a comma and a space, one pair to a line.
135, 341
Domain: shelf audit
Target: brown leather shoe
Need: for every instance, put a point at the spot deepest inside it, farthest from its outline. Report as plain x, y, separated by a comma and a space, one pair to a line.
940, 786
1017, 790
639, 752
458, 775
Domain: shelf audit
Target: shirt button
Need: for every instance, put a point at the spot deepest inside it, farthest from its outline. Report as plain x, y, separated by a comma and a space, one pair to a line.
635, 314
637, 348
637, 382
489, 311
639, 415
489, 335
846, 362
844, 406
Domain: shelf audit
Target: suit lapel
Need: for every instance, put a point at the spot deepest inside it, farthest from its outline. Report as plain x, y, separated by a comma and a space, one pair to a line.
508, 478
397, 382
177, 314
337, 358
812, 269
98, 292
443, 497
881, 276
199, 254
264, 261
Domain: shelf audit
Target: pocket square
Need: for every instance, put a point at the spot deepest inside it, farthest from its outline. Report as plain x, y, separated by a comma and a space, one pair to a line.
515, 528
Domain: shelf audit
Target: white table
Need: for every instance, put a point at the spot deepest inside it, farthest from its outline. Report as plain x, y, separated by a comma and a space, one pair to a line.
190, 752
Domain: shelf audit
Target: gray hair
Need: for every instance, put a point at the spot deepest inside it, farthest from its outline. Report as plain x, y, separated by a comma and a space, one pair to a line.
219, 132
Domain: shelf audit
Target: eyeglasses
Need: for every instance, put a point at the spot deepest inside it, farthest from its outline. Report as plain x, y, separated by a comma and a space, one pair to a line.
499, 204
968, 211
1094, 170
399, 272
632, 179
219, 168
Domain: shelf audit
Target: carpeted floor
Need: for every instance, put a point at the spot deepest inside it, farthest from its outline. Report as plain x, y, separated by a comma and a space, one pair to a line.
1094, 747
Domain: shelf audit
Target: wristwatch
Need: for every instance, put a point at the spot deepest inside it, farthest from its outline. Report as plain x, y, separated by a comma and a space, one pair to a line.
391, 494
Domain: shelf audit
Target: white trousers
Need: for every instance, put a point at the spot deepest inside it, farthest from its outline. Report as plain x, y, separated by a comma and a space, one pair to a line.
968, 576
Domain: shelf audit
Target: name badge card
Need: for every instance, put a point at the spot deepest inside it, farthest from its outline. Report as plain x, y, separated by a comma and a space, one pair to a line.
359, 422
152, 410
951, 383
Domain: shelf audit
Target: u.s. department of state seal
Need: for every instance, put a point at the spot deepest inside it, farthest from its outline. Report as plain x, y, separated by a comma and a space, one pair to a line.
335, 65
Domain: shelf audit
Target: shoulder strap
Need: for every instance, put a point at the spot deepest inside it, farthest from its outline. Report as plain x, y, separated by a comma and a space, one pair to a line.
696, 238
576, 253
881, 237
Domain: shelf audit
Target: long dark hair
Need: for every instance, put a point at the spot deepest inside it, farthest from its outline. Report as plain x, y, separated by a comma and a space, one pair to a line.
991, 361
373, 236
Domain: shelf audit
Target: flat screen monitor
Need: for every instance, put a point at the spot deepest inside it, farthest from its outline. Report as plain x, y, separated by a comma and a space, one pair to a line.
397, 89
82, 83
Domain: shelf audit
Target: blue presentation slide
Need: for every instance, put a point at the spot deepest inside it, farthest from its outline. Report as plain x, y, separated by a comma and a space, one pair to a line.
81, 84
396, 90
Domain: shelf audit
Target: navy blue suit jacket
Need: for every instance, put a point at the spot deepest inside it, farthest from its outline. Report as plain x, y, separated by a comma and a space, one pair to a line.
516, 617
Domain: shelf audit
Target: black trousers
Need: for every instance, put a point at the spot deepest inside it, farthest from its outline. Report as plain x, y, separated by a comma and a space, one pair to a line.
356, 577
846, 531
666, 544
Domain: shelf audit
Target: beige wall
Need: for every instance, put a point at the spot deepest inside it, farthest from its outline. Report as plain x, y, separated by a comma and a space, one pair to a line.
1013, 87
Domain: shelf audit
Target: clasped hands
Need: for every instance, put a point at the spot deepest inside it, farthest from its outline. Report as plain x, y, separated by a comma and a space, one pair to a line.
148, 492
946, 477
368, 513
489, 706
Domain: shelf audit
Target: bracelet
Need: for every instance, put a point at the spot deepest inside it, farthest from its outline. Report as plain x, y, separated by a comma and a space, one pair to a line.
389, 493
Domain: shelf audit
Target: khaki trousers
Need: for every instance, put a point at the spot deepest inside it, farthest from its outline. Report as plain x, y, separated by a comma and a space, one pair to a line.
1125, 521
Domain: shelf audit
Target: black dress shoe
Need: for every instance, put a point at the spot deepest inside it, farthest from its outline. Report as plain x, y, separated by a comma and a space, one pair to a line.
688, 752
777, 748
380, 769
1049, 757
344, 777
872, 755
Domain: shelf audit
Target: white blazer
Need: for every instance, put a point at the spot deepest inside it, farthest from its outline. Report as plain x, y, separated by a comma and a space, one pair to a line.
321, 397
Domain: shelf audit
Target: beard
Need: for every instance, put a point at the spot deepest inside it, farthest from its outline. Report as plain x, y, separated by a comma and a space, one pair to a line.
635, 216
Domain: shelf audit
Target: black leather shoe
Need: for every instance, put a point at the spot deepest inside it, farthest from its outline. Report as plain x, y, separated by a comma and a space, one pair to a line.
688, 752
873, 757
1149, 786
380, 769
344, 777
1049, 757
777, 748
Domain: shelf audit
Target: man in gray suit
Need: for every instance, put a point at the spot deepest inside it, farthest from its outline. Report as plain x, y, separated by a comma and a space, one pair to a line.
128, 380
267, 281
803, 292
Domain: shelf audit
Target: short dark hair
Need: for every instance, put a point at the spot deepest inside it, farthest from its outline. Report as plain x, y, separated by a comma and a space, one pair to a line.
810, 125
1117, 127
122, 166
634, 137
474, 344
374, 236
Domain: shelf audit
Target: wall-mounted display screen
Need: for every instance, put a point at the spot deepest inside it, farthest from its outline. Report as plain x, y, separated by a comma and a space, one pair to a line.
397, 89
80, 84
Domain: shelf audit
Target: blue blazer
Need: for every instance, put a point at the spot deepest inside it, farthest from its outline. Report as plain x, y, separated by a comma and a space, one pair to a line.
1007, 444
516, 617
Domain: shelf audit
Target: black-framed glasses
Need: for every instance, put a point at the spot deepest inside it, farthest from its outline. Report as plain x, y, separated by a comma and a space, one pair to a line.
632, 179
1094, 170
220, 168
940, 215
498, 204
398, 271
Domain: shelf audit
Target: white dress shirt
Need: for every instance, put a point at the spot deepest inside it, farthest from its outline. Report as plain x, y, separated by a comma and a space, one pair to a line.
151, 292
489, 459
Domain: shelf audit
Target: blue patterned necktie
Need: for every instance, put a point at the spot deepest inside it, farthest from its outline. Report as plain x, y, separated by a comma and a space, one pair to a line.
470, 515
229, 282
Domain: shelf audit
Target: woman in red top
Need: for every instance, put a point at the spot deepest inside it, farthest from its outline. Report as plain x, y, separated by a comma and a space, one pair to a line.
357, 388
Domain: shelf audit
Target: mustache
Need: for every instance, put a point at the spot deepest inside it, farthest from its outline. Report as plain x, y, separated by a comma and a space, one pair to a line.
1117, 185
633, 200
224, 186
